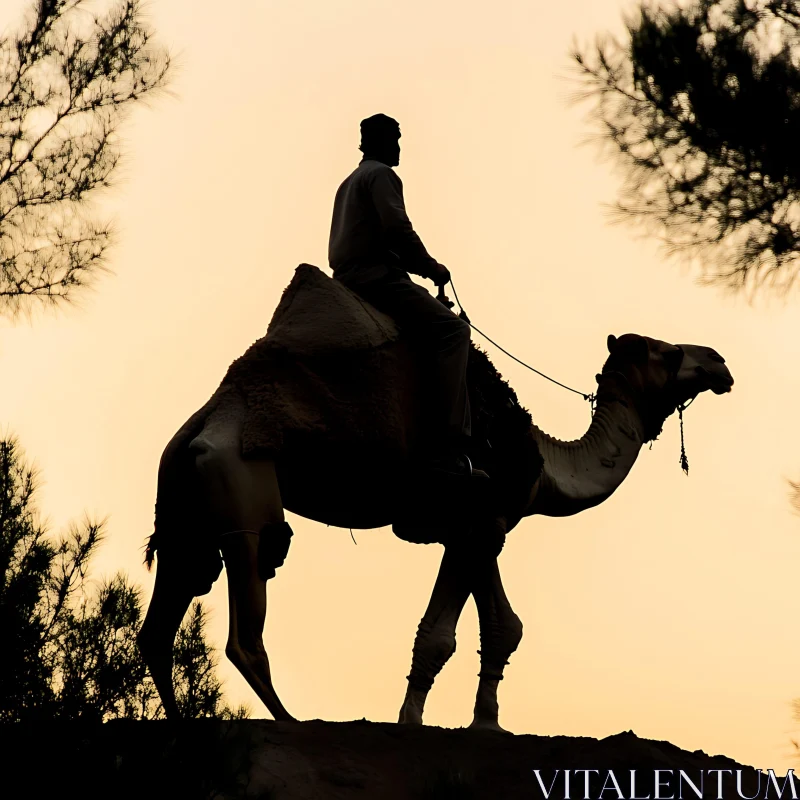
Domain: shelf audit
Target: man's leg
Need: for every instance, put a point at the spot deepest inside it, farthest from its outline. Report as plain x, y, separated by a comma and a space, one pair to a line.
443, 336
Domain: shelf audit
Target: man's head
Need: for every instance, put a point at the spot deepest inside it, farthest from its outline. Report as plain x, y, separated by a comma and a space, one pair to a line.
380, 139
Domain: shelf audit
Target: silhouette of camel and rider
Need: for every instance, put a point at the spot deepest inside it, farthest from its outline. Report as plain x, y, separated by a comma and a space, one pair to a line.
325, 433
372, 248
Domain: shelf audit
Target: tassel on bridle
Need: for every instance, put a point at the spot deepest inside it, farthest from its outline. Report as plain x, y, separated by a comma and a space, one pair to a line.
684, 460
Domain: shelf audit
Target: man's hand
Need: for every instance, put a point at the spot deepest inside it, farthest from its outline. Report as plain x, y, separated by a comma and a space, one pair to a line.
440, 275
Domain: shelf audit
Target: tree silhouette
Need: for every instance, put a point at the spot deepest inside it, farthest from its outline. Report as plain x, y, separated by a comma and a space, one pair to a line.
70, 652
65, 83
701, 104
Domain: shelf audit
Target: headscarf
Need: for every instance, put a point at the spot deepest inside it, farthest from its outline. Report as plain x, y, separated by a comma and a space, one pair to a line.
377, 129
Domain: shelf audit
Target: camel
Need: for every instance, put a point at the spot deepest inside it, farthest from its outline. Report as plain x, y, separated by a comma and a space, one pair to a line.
222, 489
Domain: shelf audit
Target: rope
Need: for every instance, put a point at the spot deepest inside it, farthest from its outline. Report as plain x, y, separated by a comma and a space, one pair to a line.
591, 398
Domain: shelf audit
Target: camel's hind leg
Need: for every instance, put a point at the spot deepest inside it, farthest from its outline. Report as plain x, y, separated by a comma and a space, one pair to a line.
171, 598
247, 602
245, 506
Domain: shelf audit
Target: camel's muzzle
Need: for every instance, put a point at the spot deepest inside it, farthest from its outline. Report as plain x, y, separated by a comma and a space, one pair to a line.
719, 380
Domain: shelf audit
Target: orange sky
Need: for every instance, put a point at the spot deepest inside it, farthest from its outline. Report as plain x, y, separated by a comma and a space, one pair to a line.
670, 609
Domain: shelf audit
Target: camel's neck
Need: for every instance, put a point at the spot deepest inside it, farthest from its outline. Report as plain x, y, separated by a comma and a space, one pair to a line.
583, 473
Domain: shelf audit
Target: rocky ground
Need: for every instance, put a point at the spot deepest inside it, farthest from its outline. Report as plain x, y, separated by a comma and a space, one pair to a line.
331, 761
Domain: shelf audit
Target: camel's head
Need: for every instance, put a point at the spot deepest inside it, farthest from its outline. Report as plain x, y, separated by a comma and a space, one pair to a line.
664, 376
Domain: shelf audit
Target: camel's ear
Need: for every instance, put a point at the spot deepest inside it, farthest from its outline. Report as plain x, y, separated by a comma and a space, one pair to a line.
639, 350
632, 348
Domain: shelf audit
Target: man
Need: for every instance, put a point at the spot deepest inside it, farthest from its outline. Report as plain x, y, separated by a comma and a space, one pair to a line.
372, 249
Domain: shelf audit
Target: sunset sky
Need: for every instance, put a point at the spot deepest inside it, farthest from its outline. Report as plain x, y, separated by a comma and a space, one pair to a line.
672, 608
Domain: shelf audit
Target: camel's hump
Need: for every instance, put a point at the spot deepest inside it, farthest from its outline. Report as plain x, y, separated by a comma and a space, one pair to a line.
318, 314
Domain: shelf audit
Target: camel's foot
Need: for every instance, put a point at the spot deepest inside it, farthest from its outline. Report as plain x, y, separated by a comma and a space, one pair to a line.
487, 709
413, 707
488, 724
409, 716
255, 669
279, 713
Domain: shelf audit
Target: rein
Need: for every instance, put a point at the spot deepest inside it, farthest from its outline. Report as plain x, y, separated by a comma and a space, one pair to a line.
442, 298
591, 398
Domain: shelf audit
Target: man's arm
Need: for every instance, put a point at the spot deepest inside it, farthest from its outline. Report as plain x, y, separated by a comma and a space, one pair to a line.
386, 190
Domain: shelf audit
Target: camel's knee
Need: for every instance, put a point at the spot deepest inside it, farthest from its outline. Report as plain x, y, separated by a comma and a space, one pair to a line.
439, 643
512, 632
273, 547
500, 637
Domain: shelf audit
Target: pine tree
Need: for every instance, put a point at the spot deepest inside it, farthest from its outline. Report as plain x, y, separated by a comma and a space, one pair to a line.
65, 84
27, 614
701, 104
68, 651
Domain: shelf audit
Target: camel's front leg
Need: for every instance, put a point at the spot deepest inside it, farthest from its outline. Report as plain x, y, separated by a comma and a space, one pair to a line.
436, 634
501, 632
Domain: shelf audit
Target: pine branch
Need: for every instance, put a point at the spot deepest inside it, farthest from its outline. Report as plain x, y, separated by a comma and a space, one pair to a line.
68, 80
704, 117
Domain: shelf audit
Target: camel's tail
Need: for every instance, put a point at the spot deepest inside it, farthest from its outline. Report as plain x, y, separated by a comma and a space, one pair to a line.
156, 538
176, 491
150, 550
176, 510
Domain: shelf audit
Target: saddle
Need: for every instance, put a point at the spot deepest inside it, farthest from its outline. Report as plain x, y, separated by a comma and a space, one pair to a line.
332, 386
318, 315
330, 367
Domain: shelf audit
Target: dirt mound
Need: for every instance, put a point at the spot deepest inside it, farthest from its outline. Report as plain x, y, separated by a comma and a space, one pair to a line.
345, 761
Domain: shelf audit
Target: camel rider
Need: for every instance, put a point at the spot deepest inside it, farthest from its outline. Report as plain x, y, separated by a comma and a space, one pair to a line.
372, 249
